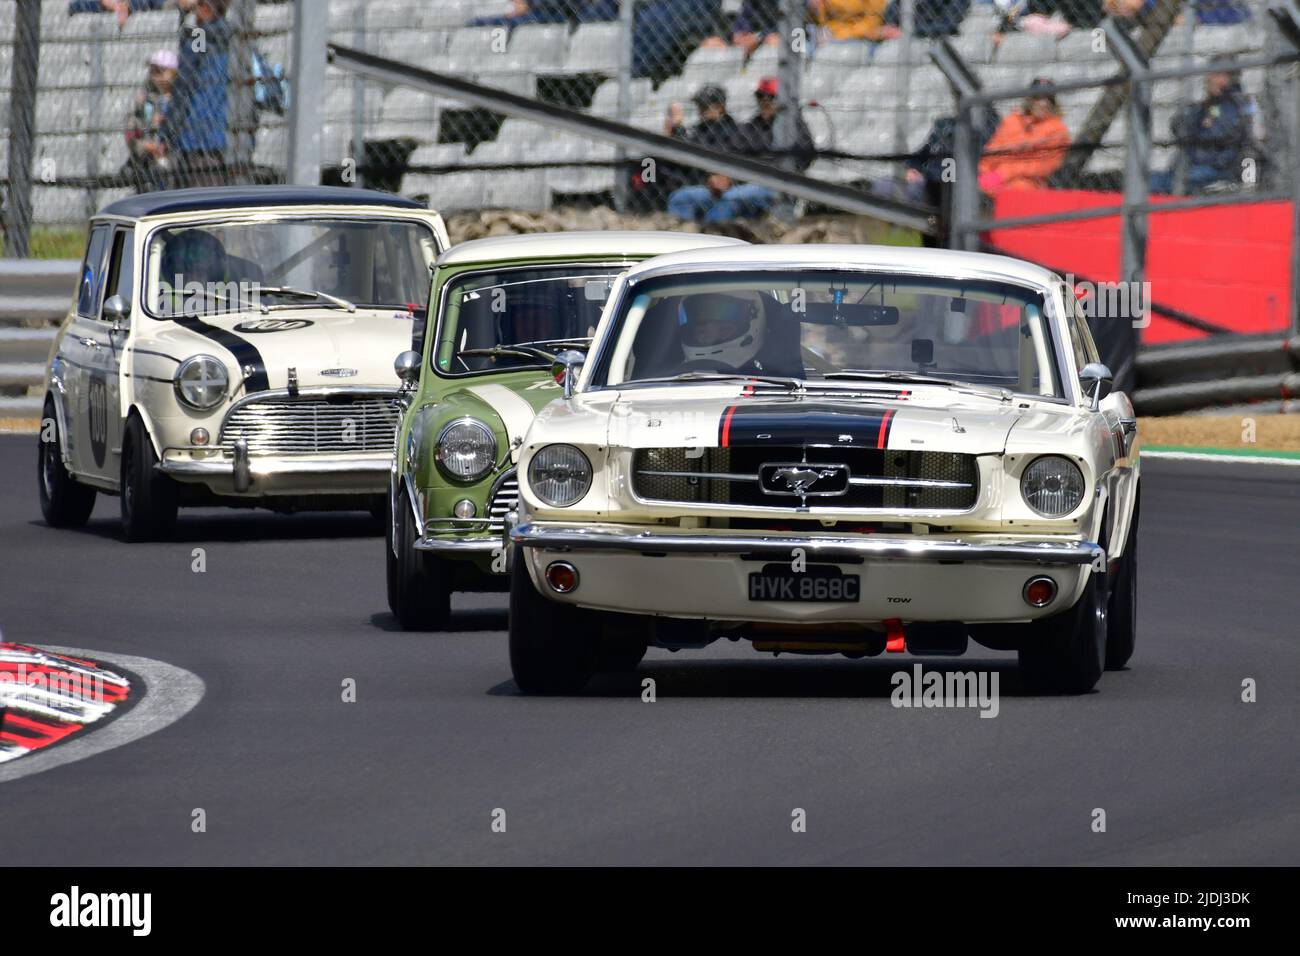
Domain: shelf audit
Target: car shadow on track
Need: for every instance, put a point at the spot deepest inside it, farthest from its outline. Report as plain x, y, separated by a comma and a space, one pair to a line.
463, 621
784, 678
236, 527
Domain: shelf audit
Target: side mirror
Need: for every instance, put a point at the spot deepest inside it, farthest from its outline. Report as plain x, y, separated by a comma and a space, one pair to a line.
566, 368
116, 311
1096, 379
407, 367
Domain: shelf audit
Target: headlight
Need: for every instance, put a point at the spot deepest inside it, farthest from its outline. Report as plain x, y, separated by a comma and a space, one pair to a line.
560, 475
467, 450
1052, 486
201, 381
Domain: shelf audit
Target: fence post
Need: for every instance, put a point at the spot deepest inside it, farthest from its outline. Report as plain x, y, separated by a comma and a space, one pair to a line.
310, 34
241, 111
358, 105
627, 21
98, 80
964, 197
22, 129
903, 79
789, 71
1295, 200
1137, 159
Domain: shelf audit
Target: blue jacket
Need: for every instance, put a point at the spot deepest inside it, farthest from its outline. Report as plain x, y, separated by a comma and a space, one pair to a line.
1216, 131
198, 116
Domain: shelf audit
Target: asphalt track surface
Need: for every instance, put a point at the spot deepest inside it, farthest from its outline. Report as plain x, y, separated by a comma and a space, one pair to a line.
710, 773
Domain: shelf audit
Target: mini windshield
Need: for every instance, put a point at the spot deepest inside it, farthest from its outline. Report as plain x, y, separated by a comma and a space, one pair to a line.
831, 327
286, 264
518, 317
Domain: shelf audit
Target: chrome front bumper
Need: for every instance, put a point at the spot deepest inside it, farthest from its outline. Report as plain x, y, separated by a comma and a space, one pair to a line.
231, 469
434, 540
822, 547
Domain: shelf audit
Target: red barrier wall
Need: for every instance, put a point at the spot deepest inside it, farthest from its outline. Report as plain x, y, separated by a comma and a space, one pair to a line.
1229, 265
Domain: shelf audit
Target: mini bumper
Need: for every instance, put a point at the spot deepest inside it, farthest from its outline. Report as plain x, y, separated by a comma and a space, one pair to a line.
435, 539
233, 470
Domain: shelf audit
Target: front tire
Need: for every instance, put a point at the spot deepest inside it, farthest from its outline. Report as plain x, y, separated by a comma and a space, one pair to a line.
419, 593
147, 498
64, 502
1065, 653
552, 645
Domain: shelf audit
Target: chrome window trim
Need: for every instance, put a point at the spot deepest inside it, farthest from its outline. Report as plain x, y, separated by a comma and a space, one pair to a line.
602, 345
485, 268
260, 217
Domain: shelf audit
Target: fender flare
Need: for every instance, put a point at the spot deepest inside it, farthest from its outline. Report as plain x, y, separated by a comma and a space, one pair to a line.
57, 393
147, 422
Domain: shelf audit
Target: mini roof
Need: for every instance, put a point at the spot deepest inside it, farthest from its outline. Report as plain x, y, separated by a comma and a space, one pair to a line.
240, 197
610, 243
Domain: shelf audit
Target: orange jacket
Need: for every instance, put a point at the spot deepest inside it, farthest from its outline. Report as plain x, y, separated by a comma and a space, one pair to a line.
1026, 151
850, 19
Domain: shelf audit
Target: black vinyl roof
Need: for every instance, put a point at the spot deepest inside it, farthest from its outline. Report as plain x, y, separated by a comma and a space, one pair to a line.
243, 197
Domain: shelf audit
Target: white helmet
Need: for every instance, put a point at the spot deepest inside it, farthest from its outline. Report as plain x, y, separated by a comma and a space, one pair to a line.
721, 328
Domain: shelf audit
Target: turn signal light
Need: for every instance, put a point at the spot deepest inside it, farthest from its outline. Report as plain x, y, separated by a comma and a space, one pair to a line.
561, 576
1040, 591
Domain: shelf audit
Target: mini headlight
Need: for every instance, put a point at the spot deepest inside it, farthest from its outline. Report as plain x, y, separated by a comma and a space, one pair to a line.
201, 381
1052, 486
560, 475
467, 450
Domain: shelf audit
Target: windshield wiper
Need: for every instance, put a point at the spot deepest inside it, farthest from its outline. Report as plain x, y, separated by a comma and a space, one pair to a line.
303, 294
527, 351
793, 384
561, 343
890, 377
917, 379
236, 305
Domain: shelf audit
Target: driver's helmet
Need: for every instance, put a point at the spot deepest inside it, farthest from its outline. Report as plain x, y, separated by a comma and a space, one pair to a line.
195, 256
721, 328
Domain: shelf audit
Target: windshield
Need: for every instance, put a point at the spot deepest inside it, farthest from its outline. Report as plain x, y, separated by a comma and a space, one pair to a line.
518, 317
833, 327
286, 264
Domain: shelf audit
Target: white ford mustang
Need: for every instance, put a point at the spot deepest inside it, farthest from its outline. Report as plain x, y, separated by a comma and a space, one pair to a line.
830, 449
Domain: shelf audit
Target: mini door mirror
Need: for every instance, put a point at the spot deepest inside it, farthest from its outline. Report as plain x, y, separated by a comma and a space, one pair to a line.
566, 368
407, 367
117, 312
1096, 379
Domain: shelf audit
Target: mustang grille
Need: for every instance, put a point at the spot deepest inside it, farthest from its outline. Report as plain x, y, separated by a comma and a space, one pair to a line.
891, 480
316, 424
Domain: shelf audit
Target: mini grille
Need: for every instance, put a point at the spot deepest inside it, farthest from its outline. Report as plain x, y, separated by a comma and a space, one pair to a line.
729, 476
304, 426
506, 497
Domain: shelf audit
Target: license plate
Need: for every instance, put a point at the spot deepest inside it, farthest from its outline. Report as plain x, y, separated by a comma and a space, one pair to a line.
817, 584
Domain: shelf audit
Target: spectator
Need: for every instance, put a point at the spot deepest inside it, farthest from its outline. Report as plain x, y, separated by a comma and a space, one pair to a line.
757, 23
850, 20
1212, 135
527, 11
124, 8
149, 159
931, 171
1052, 17
758, 136
196, 123
1029, 145
1222, 12
712, 197
934, 18
666, 31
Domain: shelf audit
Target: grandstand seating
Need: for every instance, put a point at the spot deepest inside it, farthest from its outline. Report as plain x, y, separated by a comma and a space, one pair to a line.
90, 71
